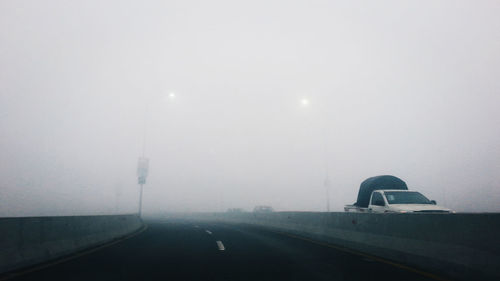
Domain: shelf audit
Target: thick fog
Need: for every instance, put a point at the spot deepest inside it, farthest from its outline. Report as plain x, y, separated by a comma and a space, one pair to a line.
244, 103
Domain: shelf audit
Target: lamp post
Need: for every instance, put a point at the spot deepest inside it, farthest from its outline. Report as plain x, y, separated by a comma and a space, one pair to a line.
305, 103
327, 166
143, 162
142, 173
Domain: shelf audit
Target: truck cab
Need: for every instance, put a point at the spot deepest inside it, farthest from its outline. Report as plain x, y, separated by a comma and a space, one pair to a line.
403, 201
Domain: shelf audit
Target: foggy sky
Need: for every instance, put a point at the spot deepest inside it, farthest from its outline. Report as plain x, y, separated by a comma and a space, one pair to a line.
408, 88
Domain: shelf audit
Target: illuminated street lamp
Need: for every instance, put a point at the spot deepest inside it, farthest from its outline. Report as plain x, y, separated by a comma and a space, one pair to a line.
304, 102
143, 162
170, 97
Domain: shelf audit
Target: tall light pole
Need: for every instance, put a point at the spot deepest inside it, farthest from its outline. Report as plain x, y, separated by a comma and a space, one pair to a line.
143, 162
327, 166
142, 173
305, 103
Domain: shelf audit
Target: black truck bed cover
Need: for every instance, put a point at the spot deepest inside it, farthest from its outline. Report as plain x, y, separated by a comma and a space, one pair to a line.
379, 182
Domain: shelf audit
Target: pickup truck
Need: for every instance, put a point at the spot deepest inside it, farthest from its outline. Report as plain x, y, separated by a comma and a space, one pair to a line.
389, 194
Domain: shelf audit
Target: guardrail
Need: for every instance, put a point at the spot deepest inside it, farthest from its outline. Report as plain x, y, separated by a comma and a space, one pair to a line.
461, 246
31, 240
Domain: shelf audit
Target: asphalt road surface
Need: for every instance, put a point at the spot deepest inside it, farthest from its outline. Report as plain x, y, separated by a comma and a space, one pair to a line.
182, 250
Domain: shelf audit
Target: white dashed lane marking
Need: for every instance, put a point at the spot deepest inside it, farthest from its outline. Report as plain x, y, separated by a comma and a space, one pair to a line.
208, 231
220, 245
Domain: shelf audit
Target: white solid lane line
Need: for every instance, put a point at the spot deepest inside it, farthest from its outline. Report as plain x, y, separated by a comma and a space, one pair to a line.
220, 245
208, 231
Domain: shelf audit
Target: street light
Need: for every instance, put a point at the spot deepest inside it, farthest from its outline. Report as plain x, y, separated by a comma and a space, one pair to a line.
170, 97
304, 102
327, 167
143, 162
142, 173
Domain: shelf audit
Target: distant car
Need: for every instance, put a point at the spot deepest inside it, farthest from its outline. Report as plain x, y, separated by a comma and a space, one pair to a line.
263, 209
235, 210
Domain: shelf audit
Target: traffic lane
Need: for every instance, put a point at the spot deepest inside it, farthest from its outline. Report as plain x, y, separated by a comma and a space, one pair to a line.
255, 253
165, 251
180, 250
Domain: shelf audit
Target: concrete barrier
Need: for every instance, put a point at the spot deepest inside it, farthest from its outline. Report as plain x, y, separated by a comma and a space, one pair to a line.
461, 246
31, 240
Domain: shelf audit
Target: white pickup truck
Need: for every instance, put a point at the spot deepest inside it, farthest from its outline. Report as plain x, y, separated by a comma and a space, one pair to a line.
389, 194
399, 201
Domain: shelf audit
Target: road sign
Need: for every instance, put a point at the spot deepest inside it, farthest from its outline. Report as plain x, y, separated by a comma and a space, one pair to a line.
141, 180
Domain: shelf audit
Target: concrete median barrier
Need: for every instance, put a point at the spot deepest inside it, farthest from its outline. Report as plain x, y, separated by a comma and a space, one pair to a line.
30, 240
461, 246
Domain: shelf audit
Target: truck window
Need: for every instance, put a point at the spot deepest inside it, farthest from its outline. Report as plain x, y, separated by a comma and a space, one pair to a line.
377, 199
398, 197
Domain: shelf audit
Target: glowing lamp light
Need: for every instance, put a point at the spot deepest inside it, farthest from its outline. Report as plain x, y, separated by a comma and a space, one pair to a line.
169, 97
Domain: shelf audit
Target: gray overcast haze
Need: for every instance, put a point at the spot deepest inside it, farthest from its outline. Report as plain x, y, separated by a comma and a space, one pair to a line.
408, 88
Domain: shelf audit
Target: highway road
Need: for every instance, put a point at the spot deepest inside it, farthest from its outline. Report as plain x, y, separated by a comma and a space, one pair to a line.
183, 250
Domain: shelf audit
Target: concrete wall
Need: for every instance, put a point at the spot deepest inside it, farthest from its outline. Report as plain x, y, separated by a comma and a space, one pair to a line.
30, 240
462, 246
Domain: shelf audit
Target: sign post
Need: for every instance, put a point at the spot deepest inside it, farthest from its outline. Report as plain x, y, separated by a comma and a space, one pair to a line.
142, 173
